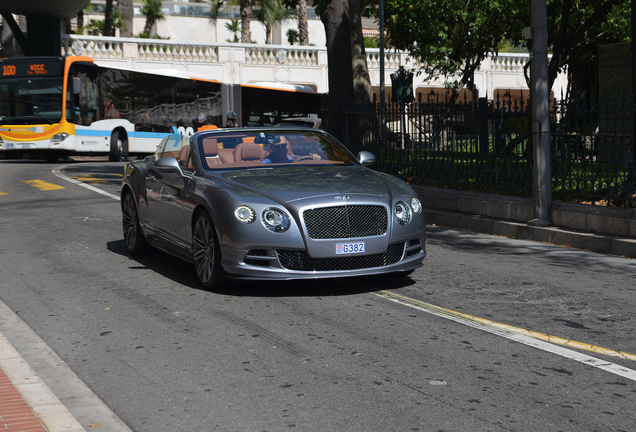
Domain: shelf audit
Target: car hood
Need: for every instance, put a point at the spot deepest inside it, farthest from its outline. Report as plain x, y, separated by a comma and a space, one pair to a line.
295, 183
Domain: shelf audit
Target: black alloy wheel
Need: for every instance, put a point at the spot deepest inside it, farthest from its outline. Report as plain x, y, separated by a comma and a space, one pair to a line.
207, 253
134, 238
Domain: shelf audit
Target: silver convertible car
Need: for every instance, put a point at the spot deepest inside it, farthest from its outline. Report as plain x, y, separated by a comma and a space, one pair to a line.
276, 203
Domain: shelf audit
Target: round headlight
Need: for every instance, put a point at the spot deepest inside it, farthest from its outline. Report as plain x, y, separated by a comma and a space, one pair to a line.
275, 220
403, 213
416, 205
245, 214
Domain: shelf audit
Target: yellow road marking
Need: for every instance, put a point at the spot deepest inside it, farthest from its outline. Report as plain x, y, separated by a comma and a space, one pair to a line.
89, 179
42, 185
471, 318
3, 193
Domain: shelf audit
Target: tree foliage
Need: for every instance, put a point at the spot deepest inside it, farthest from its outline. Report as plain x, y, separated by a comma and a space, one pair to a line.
151, 9
271, 12
450, 38
576, 29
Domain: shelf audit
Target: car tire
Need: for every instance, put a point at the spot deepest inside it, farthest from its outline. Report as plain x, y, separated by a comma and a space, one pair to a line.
136, 243
207, 253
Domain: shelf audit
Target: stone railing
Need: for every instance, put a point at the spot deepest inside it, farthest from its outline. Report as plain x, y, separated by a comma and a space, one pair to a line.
238, 63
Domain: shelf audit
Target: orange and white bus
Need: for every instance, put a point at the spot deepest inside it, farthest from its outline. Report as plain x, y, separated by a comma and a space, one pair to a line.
65, 106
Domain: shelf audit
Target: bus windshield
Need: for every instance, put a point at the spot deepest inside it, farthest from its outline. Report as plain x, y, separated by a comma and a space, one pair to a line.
32, 100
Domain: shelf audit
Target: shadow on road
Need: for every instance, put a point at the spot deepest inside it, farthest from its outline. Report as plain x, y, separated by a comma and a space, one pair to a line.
183, 273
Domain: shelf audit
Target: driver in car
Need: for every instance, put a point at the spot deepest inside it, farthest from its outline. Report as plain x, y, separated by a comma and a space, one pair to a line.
278, 153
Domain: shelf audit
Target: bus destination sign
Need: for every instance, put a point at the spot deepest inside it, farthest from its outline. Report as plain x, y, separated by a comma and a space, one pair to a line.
27, 69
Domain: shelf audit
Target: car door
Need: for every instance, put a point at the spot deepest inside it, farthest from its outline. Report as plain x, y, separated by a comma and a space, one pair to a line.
168, 191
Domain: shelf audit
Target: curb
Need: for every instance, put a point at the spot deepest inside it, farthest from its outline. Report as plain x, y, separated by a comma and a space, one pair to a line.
600, 243
58, 397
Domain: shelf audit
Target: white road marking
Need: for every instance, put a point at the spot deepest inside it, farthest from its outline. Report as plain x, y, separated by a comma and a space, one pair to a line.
57, 172
508, 333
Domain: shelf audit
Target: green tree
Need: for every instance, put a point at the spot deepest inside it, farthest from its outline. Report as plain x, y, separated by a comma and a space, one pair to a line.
234, 27
576, 29
271, 12
450, 38
96, 27
153, 13
303, 26
292, 36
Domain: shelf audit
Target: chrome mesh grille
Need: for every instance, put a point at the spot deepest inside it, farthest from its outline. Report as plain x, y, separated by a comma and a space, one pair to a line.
352, 221
300, 261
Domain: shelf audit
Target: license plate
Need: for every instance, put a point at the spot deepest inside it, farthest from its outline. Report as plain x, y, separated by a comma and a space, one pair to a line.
349, 248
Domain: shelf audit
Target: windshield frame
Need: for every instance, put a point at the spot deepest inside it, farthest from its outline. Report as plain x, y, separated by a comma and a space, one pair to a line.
303, 147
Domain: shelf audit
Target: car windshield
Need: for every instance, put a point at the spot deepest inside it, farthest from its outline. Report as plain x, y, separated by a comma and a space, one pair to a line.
269, 148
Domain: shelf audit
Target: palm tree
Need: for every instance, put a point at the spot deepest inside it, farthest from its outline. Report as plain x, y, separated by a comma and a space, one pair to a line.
126, 8
303, 27
108, 19
246, 17
235, 28
152, 11
270, 13
292, 36
97, 27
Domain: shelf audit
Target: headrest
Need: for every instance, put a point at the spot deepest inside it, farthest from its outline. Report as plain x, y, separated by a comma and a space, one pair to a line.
210, 146
250, 151
184, 152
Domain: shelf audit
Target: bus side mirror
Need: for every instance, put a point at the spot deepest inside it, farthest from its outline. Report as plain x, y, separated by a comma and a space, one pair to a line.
77, 86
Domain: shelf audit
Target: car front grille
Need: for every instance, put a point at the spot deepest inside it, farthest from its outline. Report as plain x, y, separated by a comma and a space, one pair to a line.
346, 221
300, 261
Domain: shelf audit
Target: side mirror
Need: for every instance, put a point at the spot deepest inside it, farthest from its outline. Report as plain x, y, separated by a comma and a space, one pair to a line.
77, 85
168, 165
366, 158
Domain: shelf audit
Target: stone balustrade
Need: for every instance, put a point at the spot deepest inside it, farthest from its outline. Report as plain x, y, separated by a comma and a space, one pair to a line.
238, 63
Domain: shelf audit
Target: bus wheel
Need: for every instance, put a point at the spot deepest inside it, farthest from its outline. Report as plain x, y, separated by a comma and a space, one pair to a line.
115, 147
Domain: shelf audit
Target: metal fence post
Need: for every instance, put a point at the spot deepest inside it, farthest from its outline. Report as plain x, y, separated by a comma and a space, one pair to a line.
540, 114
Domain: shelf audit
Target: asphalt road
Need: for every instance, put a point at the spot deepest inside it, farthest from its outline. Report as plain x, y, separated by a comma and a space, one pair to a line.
443, 350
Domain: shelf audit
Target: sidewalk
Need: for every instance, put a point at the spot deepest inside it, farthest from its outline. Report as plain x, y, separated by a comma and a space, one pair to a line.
39, 392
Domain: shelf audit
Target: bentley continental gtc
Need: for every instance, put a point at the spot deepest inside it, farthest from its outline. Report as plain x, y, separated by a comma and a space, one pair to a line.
271, 204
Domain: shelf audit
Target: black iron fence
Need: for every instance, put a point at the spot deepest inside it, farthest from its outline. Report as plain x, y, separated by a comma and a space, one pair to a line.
487, 147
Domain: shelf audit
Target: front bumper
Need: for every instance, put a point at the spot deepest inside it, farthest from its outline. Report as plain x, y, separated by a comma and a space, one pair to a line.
271, 264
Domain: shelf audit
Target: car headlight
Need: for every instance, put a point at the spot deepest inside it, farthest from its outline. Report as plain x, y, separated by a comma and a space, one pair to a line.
416, 205
403, 213
59, 137
275, 220
245, 214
